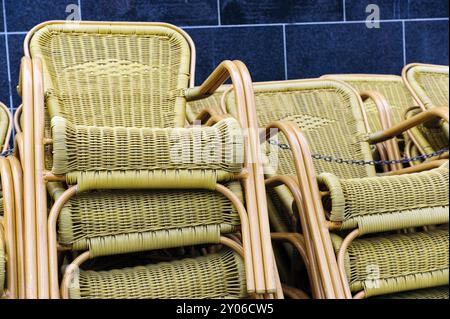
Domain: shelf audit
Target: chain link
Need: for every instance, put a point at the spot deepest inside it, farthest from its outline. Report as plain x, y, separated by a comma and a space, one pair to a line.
329, 158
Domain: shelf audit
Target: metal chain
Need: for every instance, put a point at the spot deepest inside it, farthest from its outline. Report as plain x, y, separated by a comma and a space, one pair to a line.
329, 158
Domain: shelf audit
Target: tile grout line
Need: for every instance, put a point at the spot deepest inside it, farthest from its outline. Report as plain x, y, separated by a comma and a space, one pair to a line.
344, 14
280, 24
285, 53
310, 23
79, 9
219, 20
404, 43
8, 67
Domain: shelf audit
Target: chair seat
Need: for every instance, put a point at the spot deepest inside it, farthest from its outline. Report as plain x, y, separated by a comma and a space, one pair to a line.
395, 263
111, 222
431, 293
218, 275
377, 204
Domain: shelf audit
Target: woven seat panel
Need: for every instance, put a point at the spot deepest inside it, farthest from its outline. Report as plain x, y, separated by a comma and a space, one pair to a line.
393, 257
359, 197
2, 265
395, 93
88, 217
328, 114
89, 148
114, 75
213, 276
1, 204
431, 293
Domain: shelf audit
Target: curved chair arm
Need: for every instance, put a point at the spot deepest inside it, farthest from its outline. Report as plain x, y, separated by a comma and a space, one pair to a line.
334, 286
17, 116
25, 89
209, 117
224, 70
422, 117
386, 120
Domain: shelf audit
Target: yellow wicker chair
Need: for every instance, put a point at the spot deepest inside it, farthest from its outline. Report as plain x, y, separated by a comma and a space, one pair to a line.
115, 94
429, 85
387, 101
349, 200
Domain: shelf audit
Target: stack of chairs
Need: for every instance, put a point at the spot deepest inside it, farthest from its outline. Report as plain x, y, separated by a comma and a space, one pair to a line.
140, 206
126, 181
365, 233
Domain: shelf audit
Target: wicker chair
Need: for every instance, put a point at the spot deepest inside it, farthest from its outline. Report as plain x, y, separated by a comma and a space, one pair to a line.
429, 85
349, 200
114, 95
387, 101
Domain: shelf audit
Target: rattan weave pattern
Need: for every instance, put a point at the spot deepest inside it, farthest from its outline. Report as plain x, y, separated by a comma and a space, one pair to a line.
432, 84
399, 262
328, 114
430, 293
132, 75
193, 108
392, 89
82, 148
360, 197
213, 276
142, 220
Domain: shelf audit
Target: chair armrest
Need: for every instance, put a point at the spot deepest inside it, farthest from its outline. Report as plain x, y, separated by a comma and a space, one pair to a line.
422, 117
376, 204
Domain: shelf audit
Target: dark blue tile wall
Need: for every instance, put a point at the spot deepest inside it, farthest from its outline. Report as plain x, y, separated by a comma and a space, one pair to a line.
398, 9
343, 48
276, 11
260, 48
426, 41
277, 39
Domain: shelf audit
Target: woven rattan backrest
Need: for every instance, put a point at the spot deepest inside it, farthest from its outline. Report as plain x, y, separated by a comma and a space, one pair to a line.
430, 83
391, 87
114, 74
329, 114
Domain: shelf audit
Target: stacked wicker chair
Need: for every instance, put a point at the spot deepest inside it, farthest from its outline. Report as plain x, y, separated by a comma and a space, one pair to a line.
353, 221
429, 85
387, 101
147, 207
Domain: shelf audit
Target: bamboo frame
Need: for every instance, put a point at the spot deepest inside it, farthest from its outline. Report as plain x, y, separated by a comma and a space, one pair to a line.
384, 110
17, 176
30, 239
9, 227
264, 277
